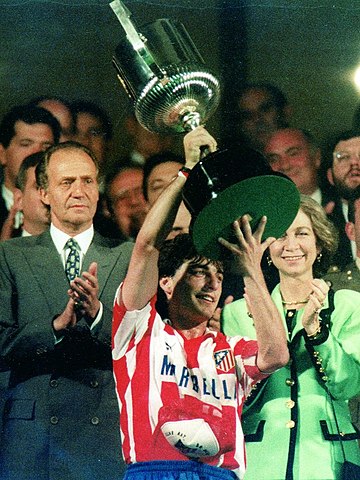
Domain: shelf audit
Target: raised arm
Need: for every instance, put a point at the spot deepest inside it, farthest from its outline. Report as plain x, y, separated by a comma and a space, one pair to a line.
141, 281
273, 351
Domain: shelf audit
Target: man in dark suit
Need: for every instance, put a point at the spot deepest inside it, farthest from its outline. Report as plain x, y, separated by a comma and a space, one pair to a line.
60, 419
343, 174
349, 278
35, 215
24, 130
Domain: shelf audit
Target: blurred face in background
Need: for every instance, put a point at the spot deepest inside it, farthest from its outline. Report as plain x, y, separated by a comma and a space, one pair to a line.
90, 132
63, 115
129, 206
159, 178
259, 116
289, 152
36, 215
144, 142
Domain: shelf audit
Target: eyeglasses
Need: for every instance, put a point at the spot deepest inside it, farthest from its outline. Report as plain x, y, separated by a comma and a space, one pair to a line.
345, 157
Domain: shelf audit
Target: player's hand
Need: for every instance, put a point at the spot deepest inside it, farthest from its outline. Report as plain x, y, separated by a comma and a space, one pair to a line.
195, 142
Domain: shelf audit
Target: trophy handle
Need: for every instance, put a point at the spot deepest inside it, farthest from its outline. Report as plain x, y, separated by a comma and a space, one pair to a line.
123, 14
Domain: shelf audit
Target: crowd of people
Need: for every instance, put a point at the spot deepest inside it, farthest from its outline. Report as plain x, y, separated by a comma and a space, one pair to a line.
124, 352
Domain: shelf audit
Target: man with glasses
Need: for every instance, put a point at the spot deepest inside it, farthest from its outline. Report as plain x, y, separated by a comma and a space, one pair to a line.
344, 175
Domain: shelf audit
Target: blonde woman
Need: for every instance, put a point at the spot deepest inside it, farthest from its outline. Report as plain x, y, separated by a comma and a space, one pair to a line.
289, 422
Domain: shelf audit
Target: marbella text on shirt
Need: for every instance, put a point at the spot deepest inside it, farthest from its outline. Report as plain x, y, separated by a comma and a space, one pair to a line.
224, 389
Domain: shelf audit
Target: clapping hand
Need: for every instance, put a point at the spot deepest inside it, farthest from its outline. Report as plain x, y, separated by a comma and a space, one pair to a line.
310, 318
85, 291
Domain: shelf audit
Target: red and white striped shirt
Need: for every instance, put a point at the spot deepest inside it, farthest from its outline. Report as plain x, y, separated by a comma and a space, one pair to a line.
162, 376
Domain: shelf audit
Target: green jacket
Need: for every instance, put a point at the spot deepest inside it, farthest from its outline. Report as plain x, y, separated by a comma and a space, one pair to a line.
289, 422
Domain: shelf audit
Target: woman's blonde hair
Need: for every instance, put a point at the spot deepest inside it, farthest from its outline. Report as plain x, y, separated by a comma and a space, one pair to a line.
327, 237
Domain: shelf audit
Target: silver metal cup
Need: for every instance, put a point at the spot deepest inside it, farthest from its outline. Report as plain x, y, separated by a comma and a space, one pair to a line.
164, 73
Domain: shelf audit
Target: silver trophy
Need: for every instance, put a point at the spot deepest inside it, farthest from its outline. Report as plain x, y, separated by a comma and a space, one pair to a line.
164, 74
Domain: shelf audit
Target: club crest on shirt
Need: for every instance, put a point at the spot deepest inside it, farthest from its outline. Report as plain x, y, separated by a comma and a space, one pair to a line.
224, 360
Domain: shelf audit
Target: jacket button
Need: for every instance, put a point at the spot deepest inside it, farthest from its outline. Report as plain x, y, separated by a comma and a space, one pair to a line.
95, 421
54, 383
94, 383
290, 424
290, 404
289, 382
54, 420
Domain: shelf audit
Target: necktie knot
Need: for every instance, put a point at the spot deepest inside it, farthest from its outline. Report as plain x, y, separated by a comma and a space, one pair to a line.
72, 265
71, 243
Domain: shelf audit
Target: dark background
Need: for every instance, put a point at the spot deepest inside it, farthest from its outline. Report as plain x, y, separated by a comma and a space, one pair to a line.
309, 48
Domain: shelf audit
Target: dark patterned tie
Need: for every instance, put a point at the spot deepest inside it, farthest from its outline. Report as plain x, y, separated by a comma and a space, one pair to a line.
72, 266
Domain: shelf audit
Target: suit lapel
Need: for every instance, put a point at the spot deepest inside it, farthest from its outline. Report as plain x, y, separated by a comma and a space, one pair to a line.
48, 271
104, 256
45, 264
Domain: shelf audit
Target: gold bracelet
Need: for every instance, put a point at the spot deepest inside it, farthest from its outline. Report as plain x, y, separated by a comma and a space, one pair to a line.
316, 333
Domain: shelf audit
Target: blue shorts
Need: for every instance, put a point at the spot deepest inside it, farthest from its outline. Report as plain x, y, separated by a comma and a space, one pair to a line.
176, 470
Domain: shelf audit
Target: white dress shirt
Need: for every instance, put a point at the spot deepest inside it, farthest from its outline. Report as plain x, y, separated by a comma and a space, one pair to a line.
84, 240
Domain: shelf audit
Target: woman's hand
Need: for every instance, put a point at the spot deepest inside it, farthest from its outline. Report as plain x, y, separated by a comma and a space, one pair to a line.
310, 319
249, 249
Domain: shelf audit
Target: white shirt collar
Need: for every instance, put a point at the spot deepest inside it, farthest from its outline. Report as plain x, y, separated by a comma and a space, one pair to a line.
8, 196
317, 196
357, 261
59, 238
25, 233
345, 209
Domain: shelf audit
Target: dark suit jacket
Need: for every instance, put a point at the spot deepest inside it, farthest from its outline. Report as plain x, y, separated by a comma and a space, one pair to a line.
343, 254
348, 278
61, 418
3, 210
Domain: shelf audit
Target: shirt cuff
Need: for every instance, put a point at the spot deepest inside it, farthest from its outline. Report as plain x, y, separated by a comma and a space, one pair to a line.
98, 318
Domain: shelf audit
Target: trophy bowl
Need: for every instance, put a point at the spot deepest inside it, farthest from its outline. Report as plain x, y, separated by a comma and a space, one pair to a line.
172, 89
